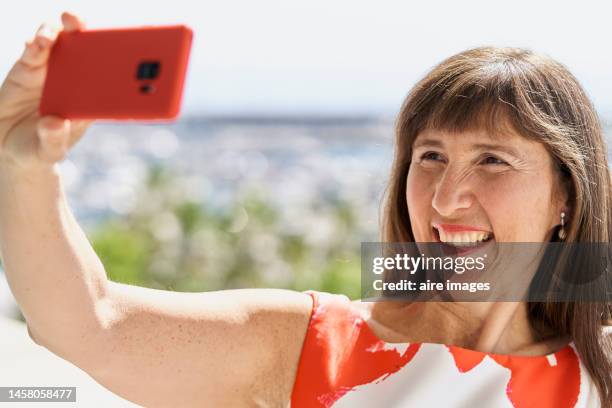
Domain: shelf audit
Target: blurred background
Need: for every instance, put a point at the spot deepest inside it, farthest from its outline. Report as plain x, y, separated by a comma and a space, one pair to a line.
275, 171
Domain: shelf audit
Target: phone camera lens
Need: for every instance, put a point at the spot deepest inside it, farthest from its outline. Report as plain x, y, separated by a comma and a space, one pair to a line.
148, 70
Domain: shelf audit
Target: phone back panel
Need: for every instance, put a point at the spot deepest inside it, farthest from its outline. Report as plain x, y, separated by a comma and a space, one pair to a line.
132, 73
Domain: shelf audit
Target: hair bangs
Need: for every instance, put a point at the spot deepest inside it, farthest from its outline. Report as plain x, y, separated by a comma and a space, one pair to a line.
470, 106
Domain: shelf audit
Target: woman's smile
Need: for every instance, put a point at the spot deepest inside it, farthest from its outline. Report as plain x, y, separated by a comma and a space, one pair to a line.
461, 235
460, 240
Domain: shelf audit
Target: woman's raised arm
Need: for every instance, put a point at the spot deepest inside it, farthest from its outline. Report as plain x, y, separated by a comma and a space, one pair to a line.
156, 348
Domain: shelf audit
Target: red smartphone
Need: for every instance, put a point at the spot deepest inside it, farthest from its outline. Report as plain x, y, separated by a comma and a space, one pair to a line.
134, 73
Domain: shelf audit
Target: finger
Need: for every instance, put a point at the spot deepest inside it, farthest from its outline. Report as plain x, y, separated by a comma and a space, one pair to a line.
28, 74
36, 52
71, 22
77, 129
53, 133
24, 82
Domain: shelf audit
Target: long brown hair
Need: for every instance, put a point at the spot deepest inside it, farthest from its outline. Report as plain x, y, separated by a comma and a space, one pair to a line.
540, 99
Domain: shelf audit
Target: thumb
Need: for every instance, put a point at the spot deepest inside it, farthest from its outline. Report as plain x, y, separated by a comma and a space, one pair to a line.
53, 134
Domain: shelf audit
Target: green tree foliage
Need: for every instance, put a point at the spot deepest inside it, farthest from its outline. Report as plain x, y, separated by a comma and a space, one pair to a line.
169, 241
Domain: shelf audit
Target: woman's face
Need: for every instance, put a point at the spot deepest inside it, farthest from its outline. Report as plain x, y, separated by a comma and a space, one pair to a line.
506, 186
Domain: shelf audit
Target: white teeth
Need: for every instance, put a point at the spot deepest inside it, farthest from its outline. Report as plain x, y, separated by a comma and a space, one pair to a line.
465, 238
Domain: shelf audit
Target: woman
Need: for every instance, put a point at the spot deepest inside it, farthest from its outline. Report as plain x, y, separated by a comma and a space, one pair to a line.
269, 347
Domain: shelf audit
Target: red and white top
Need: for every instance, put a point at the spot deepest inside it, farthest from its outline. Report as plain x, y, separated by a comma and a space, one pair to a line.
344, 364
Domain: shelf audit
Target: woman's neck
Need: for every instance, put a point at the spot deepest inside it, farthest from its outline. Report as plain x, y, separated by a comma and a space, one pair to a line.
495, 327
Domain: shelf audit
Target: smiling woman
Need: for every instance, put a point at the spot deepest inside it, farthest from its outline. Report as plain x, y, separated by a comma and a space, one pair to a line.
506, 141
494, 144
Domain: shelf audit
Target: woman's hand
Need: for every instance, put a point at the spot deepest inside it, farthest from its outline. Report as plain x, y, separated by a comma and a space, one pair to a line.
28, 141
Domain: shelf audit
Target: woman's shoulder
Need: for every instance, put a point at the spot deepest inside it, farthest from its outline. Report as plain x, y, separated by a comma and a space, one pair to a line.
331, 311
336, 316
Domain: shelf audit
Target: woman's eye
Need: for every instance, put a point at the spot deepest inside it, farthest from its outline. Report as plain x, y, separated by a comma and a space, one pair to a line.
431, 156
493, 160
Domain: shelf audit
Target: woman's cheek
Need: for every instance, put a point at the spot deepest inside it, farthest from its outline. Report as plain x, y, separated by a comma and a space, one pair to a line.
416, 202
419, 190
506, 207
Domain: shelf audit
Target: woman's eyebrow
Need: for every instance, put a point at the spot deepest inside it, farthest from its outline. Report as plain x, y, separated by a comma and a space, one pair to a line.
478, 146
502, 148
428, 142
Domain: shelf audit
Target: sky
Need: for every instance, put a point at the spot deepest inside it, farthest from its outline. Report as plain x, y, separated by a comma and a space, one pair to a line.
337, 56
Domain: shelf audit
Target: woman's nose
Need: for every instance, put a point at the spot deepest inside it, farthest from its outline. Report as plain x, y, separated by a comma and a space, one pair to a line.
452, 192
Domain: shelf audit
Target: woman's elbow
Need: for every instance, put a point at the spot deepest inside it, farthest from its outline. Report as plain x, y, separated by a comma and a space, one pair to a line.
84, 343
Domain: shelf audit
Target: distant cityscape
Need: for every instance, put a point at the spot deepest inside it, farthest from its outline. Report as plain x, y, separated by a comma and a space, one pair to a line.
292, 159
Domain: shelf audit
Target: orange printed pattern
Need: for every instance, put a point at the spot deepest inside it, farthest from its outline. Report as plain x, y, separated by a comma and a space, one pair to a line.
341, 355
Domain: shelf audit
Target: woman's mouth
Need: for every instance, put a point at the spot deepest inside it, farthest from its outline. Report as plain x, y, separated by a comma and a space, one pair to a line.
461, 243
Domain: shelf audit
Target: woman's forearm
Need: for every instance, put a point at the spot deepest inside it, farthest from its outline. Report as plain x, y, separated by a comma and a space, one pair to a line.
52, 270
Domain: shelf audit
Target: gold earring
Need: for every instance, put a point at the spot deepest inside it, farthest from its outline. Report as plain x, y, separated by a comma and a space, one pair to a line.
562, 232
